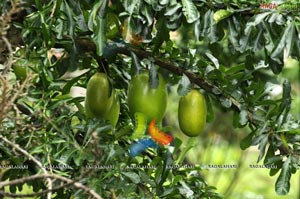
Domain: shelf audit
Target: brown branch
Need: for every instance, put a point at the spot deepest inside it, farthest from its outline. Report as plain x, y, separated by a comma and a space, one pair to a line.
55, 177
36, 161
10, 56
6, 18
40, 193
6, 103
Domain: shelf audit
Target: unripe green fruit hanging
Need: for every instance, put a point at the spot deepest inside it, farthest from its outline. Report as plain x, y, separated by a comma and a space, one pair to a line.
192, 113
99, 97
152, 102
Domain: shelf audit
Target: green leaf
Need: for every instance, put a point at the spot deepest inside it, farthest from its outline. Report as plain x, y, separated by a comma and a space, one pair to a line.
286, 42
70, 19
277, 166
93, 15
286, 97
221, 14
177, 144
99, 35
276, 66
132, 6
235, 69
184, 85
185, 190
213, 59
246, 142
153, 77
210, 111
285, 104
190, 11
67, 87
162, 33
172, 10
243, 117
262, 146
148, 13
226, 102
233, 34
135, 178
282, 185
191, 143
136, 62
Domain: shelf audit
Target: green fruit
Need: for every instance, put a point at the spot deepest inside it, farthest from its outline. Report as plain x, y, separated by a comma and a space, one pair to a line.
99, 97
152, 102
192, 113
113, 114
20, 71
88, 111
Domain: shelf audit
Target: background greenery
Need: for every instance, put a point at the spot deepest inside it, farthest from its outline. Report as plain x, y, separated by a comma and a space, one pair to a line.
242, 57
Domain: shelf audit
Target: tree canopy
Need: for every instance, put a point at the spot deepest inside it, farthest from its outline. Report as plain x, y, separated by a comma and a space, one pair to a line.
233, 51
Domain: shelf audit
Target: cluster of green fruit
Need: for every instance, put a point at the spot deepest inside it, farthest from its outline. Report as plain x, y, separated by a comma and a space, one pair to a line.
102, 102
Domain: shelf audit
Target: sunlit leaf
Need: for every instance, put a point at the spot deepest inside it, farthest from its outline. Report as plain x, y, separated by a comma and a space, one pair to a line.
190, 11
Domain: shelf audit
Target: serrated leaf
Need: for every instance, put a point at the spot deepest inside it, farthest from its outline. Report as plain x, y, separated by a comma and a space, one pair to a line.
282, 185
190, 11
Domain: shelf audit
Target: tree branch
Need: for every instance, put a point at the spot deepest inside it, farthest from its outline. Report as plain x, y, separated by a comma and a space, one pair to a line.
37, 162
114, 48
40, 193
53, 176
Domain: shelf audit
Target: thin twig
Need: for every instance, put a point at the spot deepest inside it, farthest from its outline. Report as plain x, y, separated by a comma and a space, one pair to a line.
8, 103
53, 176
36, 161
10, 56
40, 193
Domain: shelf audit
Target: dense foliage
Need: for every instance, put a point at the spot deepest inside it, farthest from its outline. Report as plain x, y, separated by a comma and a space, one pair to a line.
231, 51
